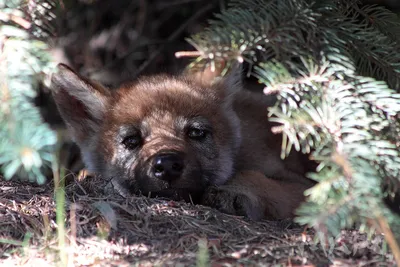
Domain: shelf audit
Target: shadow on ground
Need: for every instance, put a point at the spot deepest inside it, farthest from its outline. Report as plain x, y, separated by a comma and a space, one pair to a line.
108, 230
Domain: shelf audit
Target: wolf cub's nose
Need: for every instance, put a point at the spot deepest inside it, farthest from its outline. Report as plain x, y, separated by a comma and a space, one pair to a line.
168, 166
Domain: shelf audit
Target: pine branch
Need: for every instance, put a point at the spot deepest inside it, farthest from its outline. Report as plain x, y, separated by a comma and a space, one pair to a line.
26, 142
368, 37
379, 18
332, 65
262, 31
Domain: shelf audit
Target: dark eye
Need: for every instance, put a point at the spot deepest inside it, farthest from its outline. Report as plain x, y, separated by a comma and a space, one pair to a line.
132, 142
196, 133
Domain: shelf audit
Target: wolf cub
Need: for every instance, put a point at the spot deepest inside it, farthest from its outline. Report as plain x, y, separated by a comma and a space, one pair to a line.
183, 137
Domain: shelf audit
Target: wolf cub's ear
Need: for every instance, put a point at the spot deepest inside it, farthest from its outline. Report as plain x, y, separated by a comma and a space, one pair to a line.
82, 103
232, 81
212, 76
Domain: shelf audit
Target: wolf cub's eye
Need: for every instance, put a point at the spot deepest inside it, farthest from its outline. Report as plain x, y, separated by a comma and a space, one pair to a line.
132, 141
196, 133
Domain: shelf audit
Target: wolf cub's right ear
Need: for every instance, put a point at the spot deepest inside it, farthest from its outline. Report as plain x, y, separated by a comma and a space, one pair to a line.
82, 103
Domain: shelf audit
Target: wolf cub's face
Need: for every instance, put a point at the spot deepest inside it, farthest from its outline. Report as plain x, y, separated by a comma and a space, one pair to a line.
163, 135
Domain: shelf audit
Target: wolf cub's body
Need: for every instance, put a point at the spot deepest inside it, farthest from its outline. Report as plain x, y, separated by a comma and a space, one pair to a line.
183, 138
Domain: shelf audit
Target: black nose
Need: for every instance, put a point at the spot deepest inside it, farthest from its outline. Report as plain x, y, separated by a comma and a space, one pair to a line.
168, 166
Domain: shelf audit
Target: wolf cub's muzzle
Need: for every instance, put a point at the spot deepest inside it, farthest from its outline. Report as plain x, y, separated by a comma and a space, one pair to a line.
167, 166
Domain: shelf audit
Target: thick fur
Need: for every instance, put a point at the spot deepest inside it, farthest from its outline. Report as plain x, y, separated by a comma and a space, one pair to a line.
235, 168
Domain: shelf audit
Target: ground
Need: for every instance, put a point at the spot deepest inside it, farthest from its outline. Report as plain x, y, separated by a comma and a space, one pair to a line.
109, 230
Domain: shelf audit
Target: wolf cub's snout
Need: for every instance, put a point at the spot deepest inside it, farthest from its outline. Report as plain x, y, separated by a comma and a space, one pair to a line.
184, 137
167, 166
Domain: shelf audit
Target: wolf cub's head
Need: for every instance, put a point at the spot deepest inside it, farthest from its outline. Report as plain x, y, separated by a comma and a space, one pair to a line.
162, 135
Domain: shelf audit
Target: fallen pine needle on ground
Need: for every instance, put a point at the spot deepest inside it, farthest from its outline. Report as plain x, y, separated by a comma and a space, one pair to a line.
105, 229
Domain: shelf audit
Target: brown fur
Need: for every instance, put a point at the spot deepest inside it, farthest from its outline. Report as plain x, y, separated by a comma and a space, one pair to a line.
227, 169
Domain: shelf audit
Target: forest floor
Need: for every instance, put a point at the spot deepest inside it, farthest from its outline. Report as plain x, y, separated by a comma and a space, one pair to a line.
109, 230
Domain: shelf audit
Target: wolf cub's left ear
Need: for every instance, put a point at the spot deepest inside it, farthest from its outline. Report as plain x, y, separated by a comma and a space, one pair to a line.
81, 103
232, 81
228, 84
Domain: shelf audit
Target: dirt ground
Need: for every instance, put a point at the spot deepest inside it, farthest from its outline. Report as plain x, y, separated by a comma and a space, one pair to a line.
109, 230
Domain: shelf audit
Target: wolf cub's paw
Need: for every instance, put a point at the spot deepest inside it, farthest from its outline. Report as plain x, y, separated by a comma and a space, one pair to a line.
229, 200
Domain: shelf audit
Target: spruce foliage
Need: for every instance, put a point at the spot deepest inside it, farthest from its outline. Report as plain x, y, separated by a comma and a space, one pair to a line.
335, 68
26, 142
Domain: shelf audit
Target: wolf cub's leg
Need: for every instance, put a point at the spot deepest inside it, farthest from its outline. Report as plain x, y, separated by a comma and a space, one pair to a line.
252, 194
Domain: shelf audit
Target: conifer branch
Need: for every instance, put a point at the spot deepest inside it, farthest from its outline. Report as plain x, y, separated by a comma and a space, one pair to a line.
334, 67
26, 142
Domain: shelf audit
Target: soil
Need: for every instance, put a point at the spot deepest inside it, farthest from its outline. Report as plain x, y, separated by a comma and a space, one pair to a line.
109, 230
